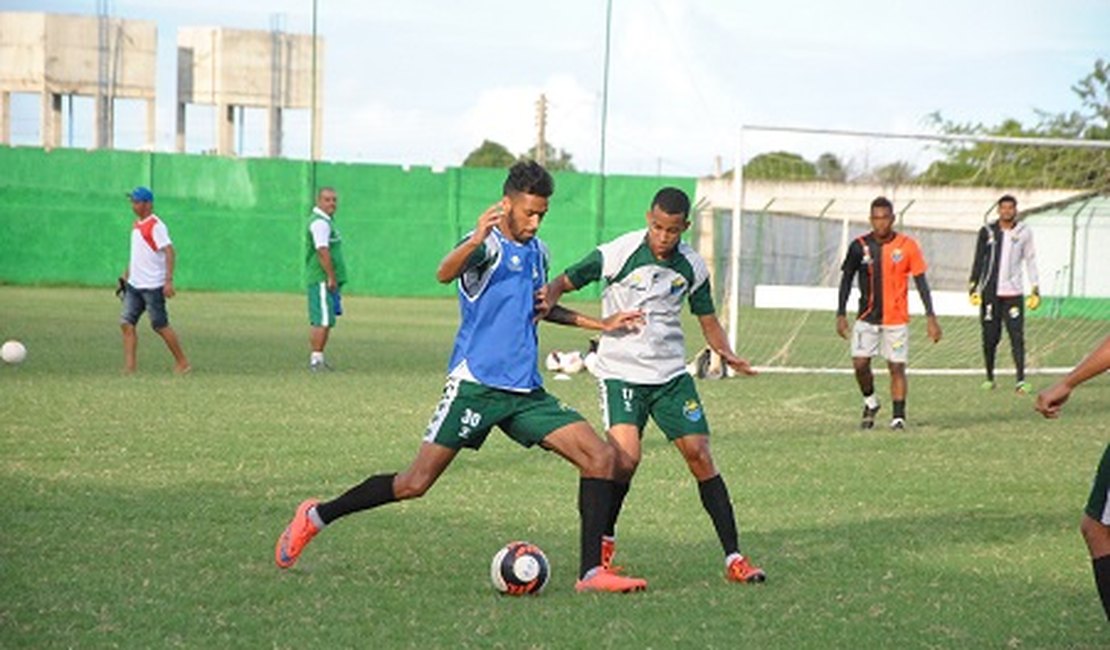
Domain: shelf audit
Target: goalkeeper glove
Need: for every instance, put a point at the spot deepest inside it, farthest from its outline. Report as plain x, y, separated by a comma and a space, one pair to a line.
121, 287
973, 295
1034, 299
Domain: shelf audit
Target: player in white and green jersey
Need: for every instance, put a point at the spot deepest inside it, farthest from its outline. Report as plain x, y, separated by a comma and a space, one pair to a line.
642, 373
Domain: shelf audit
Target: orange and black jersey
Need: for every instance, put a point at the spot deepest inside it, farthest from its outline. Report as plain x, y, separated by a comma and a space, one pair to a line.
883, 270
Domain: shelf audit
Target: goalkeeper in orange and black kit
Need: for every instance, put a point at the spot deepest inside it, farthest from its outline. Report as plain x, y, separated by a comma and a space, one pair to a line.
996, 287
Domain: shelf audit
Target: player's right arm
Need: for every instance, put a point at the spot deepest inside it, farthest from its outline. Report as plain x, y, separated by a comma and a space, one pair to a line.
973, 288
455, 262
847, 270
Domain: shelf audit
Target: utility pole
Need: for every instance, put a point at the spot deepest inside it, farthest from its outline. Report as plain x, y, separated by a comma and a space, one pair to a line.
541, 130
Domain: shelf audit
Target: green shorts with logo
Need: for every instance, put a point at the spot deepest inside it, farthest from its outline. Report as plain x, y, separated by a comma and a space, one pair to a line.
1100, 492
674, 406
468, 411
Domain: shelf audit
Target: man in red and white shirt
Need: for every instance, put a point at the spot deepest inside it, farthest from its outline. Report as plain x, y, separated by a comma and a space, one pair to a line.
148, 281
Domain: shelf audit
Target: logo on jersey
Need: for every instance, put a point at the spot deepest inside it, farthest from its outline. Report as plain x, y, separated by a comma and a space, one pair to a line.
691, 410
896, 255
678, 285
515, 263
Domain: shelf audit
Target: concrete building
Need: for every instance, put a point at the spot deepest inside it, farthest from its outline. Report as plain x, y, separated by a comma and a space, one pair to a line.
53, 55
229, 68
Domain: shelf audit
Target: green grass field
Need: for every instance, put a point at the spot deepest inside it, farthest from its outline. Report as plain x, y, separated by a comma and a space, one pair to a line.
142, 511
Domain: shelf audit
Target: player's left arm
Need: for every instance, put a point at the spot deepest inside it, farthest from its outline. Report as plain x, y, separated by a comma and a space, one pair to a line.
932, 325
625, 321
717, 341
171, 259
1030, 252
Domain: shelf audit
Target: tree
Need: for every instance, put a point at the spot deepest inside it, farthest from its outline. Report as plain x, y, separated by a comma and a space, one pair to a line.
557, 160
780, 165
894, 174
1030, 166
829, 168
489, 154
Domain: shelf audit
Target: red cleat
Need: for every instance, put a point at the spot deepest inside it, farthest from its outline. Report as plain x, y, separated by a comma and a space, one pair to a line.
296, 536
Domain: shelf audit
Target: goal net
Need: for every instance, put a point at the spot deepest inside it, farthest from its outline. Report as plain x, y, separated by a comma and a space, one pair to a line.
785, 221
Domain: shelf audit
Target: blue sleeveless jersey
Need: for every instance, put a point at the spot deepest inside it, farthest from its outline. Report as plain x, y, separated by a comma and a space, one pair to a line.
497, 344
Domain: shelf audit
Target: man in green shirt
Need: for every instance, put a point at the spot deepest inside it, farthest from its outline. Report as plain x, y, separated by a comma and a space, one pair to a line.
325, 274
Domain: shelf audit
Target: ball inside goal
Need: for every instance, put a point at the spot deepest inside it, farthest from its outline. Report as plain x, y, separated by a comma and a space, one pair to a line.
519, 569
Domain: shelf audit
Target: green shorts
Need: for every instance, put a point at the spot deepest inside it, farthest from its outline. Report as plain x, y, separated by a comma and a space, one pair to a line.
1097, 503
322, 305
468, 411
674, 406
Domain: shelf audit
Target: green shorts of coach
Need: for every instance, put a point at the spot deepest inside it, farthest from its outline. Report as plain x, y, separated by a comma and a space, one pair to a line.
323, 305
468, 411
674, 406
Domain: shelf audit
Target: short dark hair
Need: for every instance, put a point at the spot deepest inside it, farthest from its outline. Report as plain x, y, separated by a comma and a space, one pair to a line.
672, 201
1007, 198
882, 202
529, 177
326, 188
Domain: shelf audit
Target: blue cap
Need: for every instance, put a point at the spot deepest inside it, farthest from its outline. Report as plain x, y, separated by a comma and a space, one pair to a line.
141, 194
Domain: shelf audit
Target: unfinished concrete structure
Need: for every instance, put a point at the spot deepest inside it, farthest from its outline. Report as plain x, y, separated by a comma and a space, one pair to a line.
227, 68
56, 54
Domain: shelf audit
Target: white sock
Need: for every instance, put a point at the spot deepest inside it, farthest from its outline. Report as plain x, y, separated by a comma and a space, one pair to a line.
731, 557
316, 357
871, 401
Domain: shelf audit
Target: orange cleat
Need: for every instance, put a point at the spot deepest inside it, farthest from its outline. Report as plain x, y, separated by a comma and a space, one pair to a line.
740, 570
296, 536
608, 550
599, 579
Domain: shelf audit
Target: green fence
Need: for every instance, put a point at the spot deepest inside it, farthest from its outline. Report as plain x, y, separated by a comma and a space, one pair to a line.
238, 225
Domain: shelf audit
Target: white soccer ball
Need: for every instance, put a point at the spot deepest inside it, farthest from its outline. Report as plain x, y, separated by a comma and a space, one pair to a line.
572, 362
13, 352
552, 361
590, 361
519, 569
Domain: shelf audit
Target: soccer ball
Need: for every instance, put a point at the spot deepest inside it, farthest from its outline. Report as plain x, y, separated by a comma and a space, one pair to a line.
572, 362
13, 352
519, 568
553, 362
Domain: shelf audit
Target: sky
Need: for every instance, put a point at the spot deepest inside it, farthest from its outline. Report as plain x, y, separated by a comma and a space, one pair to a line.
424, 82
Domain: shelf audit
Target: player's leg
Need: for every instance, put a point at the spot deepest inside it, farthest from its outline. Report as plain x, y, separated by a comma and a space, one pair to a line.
463, 417
991, 328
864, 346
576, 443
321, 318
896, 350
677, 409
160, 322
133, 308
1095, 528
624, 413
898, 389
378, 490
1015, 328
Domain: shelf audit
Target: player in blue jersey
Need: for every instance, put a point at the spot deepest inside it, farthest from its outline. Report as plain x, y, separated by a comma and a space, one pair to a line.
501, 269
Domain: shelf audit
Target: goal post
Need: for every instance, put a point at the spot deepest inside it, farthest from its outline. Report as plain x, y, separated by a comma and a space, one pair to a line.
780, 223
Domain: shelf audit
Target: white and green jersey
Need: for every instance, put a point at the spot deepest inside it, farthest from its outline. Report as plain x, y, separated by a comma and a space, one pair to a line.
633, 279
